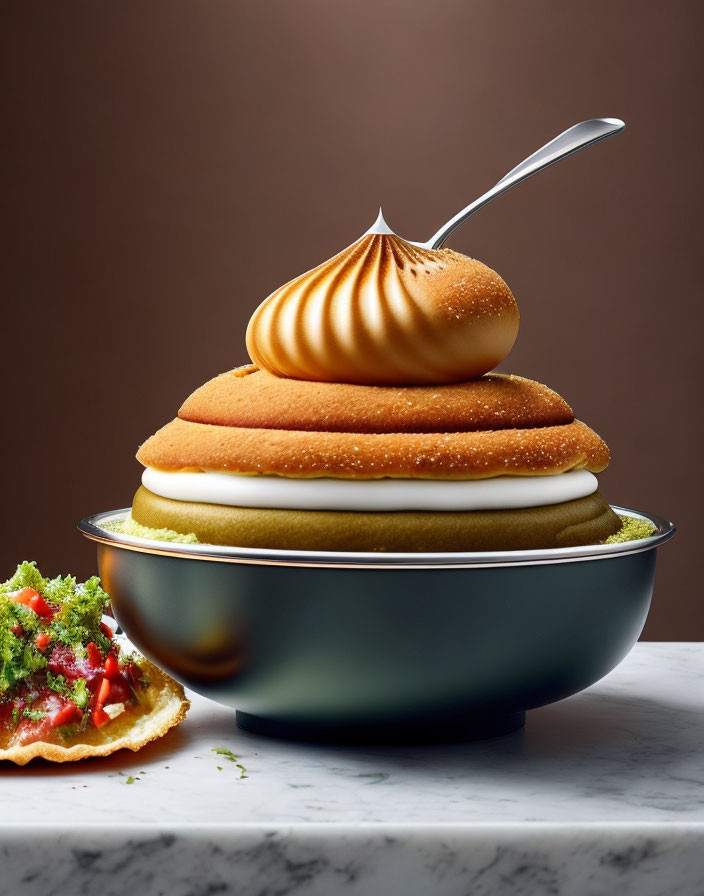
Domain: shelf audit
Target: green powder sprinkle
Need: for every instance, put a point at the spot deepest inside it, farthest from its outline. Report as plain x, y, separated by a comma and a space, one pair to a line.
632, 529
130, 526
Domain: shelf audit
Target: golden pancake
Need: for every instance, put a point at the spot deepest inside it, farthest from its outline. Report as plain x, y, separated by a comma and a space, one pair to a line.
255, 399
584, 521
182, 445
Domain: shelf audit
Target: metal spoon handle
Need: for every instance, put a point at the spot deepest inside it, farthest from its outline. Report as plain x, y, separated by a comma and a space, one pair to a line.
572, 140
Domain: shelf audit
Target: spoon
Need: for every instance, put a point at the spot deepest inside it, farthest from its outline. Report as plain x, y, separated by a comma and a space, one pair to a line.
572, 140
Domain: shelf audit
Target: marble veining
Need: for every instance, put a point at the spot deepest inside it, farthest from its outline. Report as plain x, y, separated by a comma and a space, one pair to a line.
601, 793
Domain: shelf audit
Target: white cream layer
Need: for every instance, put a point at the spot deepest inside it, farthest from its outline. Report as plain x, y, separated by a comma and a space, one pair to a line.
499, 493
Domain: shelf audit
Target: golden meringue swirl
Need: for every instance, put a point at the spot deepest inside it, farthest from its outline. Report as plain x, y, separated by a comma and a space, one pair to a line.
385, 311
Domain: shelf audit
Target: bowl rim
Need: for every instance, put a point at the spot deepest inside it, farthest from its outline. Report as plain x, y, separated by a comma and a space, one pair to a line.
92, 528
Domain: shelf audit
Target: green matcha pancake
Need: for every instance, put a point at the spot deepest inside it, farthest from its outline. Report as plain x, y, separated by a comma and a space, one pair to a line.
587, 520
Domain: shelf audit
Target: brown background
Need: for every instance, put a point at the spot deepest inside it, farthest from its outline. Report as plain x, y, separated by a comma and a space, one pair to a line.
169, 164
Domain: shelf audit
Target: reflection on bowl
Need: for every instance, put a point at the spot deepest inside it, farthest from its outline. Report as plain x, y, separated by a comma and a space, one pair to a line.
405, 647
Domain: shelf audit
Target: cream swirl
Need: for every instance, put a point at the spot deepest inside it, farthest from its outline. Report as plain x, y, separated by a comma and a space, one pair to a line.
385, 311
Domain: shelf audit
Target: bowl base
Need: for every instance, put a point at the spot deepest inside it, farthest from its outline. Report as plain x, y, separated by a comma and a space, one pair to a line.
419, 731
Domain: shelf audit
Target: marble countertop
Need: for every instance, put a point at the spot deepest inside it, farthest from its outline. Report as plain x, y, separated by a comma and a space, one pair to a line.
600, 792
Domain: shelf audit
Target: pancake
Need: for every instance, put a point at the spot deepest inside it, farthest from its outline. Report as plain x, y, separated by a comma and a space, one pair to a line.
255, 399
584, 521
182, 445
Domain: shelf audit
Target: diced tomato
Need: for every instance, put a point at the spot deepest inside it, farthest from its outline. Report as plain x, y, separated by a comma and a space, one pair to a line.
24, 595
42, 640
100, 717
17, 630
103, 692
33, 599
41, 607
106, 630
95, 658
112, 667
120, 691
68, 714
133, 675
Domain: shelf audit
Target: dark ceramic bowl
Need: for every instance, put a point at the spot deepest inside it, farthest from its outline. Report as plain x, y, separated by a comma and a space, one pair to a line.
405, 647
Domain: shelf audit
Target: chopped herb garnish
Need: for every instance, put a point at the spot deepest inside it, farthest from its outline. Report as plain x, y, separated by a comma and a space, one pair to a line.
34, 714
72, 614
223, 751
26, 576
78, 693
230, 756
78, 620
130, 780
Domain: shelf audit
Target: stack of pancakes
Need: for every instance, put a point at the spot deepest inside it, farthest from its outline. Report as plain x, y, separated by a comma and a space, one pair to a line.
251, 423
371, 422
